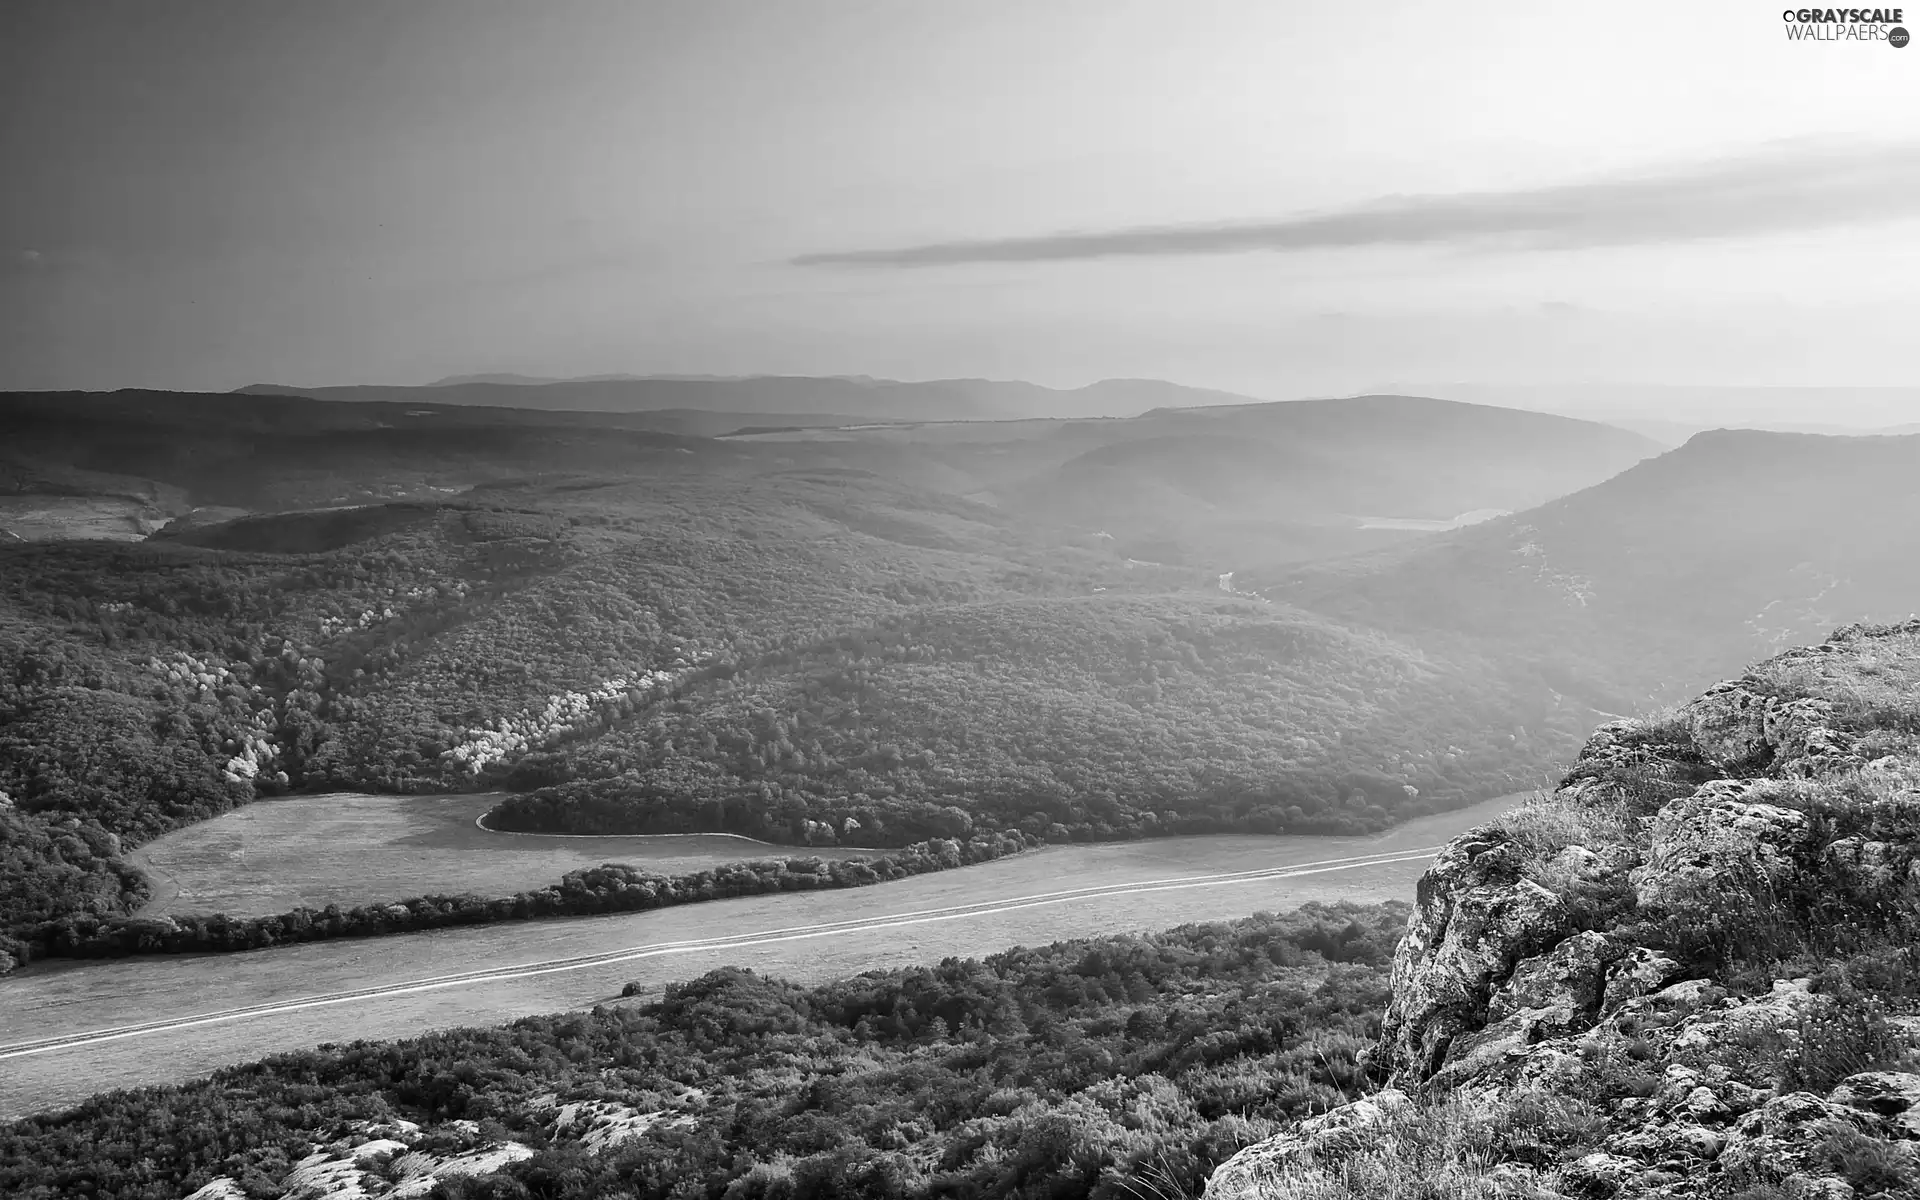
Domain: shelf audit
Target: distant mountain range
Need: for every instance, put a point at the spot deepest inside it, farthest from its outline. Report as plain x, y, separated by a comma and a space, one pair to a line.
856, 397
1221, 486
1671, 413
1251, 483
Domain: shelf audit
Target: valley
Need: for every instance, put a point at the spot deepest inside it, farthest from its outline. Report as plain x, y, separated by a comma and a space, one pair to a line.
1154, 649
1035, 898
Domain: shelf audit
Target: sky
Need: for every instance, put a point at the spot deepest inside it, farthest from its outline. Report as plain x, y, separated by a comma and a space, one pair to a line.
1273, 196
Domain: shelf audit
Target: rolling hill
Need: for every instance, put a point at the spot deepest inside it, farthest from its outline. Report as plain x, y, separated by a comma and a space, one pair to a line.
884, 632
1237, 486
1661, 579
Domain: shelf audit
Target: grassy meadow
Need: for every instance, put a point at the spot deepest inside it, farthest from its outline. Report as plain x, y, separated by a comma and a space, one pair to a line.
352, 848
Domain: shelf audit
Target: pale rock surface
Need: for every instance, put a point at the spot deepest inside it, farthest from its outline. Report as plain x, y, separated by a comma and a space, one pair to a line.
1475, 917
1250, 1172
1725, 837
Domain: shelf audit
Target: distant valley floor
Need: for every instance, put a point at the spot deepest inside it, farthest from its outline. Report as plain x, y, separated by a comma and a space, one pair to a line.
72, 999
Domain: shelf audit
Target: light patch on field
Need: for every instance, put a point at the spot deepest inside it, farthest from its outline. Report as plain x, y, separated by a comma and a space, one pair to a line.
1427, 525
95, 518
351, 848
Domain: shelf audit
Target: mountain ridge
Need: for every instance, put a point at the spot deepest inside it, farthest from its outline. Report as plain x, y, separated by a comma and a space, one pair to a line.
935, 399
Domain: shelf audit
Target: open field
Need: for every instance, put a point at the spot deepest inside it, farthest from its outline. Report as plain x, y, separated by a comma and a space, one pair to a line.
353, 848
68, 999
51, 518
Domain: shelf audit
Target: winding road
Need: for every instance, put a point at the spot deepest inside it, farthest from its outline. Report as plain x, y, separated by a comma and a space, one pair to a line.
76, 1040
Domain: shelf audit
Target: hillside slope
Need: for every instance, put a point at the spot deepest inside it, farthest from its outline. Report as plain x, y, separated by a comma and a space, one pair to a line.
1082, 717
1676, 571
659, 632
1693, 970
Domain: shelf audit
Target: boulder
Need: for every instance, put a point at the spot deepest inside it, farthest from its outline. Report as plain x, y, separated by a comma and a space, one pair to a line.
1805, 743
1784, 1136
1475, 918
1566, 982
1778, 1011
1729, 725
1639, 972
1251, 1174
1723, 839
1892, 1095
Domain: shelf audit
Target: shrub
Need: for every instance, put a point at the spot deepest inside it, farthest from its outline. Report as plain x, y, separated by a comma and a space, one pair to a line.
1838, 1036
1872, 1166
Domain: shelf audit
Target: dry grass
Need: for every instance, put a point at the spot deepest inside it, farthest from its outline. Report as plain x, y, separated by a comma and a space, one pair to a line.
1548, 823
1871, 682
1452, 1148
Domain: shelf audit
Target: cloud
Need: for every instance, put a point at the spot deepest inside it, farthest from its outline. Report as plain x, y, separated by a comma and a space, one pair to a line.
1774, 192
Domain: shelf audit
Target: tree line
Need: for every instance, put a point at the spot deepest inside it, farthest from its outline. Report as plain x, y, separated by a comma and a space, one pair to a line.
609, 888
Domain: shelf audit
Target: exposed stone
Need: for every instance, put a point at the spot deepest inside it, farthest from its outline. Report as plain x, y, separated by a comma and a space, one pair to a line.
1729, 724
1779, 1009
1637, 973
1248, 1174
1721, 838
1568, 979
1475, 918
1599, 1175
1893, 1095
1784, 1135
1804, 741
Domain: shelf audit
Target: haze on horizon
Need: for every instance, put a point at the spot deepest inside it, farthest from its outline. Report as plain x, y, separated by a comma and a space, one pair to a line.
1279, 200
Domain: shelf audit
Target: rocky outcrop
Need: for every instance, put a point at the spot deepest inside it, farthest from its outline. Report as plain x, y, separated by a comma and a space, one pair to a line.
1476, 917
1258, 1168
1612, 954
399, 1160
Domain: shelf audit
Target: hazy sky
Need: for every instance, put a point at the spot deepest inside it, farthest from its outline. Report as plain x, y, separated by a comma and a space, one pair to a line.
1271, 196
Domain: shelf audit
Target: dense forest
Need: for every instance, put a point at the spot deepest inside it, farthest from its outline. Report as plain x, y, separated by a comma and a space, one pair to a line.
1081, 718
1106, 1068
809, 656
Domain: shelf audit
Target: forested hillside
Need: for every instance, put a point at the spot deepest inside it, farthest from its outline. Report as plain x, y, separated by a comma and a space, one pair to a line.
845, 638
1088, 717
806, 657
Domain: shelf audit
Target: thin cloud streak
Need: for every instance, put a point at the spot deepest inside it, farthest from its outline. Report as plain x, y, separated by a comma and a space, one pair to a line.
1772, 193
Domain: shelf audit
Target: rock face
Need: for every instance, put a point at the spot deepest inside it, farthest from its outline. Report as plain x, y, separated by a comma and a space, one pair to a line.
1612, 957
1476, 918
